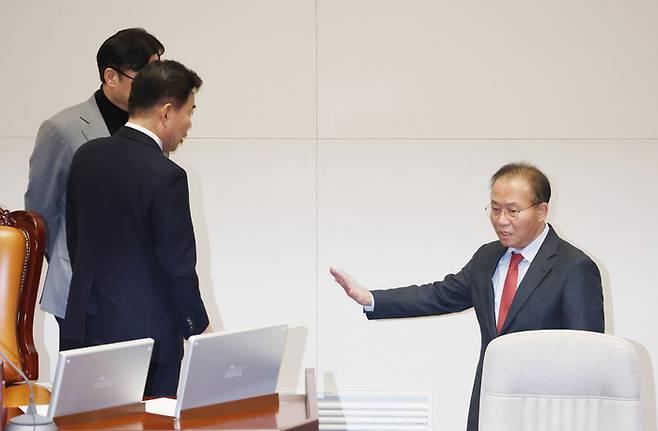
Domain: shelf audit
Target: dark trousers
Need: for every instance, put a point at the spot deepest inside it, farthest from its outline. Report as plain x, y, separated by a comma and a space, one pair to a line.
65, 344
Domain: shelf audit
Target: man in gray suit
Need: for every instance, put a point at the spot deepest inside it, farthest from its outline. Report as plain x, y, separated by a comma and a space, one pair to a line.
119, 59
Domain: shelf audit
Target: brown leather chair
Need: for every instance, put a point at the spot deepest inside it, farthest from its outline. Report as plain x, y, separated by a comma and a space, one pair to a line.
22, 242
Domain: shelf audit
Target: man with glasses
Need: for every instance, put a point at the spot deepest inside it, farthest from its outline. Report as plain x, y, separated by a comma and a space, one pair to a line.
119, 59
529, 279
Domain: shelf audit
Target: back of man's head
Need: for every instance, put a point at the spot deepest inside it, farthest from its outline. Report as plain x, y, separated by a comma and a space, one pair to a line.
161, 82
539, 184
128, 49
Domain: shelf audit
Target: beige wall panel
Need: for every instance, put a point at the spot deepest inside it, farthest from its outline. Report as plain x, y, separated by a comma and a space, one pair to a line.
257, 59
14, 162
253, 205
428, 69
394, 213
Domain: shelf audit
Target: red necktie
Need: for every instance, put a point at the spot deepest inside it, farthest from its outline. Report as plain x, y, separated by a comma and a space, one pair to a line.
509, 289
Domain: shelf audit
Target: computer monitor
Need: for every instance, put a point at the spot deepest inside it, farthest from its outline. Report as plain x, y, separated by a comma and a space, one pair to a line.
230, 366
99, 377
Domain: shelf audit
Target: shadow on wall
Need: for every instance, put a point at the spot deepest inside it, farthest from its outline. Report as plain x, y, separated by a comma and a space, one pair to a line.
43, 336
607, 291
292, 362
204, 264
607, 294
329, 381
45, 361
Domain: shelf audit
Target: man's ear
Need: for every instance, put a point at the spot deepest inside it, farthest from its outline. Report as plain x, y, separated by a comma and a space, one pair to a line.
543, 210
111, 76
165, 112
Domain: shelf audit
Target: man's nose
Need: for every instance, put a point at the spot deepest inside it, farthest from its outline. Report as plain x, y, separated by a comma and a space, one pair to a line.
502, 218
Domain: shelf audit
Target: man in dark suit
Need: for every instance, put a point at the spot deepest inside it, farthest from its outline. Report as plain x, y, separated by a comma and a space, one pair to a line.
129, 229
527, 280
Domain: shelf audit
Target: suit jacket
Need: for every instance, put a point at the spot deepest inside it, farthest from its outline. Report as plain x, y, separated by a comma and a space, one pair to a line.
132, 247
57, 140
561, 290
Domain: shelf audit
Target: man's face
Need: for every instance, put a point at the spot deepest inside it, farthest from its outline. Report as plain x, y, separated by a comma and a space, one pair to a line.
177, 124
513, 195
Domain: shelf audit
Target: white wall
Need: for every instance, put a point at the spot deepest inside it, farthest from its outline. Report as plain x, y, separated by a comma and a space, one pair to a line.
362, 134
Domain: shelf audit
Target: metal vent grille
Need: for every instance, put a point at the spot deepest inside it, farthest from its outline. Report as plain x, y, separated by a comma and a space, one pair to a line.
360, 411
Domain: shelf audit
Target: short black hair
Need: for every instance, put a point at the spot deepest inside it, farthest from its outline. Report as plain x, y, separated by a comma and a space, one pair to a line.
162, 82
539, 184
128, 49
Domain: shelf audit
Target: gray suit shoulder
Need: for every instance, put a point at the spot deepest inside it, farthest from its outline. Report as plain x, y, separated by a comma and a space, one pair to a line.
74, 113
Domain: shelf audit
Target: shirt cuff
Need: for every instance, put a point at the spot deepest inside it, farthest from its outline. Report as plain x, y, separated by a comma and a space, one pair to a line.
371, 307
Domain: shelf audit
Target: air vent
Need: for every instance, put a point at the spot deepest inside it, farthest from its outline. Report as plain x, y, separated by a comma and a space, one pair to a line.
375, 411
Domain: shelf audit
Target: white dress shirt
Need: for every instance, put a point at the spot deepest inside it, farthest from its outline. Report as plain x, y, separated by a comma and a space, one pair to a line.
528, 252
155, 137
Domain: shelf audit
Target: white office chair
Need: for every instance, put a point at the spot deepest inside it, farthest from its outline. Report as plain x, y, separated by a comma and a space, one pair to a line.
560, 380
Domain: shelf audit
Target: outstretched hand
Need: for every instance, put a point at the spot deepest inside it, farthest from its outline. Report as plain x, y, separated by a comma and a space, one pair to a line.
353, 289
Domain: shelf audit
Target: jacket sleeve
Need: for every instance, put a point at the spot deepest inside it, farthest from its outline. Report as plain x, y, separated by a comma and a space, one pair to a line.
452, 294
175, 251
49, 167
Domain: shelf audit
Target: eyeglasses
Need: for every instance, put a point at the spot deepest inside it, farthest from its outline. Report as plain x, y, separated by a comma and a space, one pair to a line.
495, 211
124, 74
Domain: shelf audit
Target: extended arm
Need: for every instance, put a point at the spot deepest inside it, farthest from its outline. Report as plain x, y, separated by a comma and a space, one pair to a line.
452, 294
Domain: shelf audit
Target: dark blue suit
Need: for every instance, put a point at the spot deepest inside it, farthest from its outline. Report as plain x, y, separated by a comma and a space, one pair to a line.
133, 253
560, 290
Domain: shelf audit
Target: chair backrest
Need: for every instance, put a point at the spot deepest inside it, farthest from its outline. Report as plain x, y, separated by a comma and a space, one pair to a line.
560, 380
22, 243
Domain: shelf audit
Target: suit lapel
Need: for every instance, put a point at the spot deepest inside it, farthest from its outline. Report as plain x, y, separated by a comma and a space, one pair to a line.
93, 125
539, 268
489, 315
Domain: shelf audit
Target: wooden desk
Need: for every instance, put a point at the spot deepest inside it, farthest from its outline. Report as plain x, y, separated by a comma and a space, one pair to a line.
290, 413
